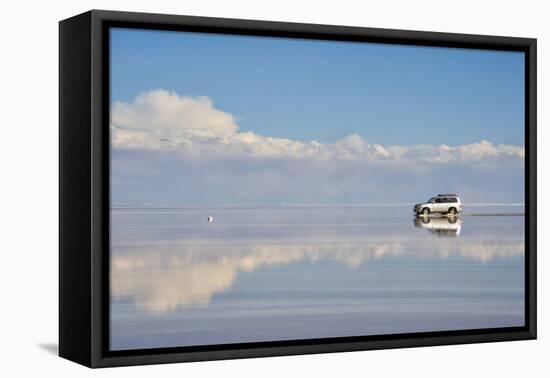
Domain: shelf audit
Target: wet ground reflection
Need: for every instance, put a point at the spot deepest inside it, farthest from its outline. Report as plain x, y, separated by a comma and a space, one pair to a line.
257, 274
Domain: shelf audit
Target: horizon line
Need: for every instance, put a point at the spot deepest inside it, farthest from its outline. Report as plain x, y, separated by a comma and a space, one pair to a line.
293, 205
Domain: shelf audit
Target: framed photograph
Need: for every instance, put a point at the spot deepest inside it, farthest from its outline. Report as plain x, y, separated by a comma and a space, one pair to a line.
235, 188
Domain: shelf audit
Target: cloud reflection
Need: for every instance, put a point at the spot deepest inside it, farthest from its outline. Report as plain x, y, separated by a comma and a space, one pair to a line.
158, 279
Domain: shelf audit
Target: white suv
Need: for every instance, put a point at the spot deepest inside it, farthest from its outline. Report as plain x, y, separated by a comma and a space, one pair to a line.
442, 203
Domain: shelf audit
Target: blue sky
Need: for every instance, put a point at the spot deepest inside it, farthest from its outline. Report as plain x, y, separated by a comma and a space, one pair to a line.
324, 90
201, 119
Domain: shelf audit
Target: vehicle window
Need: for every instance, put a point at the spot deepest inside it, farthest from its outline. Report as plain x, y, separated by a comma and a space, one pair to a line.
438, 200
453, 200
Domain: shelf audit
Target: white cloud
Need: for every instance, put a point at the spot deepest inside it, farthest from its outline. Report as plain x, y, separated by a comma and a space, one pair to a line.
169, 115
159, 120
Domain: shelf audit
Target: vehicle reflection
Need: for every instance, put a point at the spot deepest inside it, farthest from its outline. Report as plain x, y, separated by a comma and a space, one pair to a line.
445, 226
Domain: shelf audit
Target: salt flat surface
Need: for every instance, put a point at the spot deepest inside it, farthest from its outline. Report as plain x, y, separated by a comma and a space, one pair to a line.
262, 274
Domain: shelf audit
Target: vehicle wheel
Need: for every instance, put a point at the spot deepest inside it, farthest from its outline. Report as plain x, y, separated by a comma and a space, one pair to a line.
425, 211
452, 211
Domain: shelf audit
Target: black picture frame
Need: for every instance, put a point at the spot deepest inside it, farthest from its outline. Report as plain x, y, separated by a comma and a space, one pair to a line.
84, 187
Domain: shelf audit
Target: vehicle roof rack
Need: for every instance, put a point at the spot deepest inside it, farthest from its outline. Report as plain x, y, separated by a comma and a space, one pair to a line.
448, 195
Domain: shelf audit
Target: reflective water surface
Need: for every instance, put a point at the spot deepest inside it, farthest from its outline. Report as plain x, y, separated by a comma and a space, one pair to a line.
294, 273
